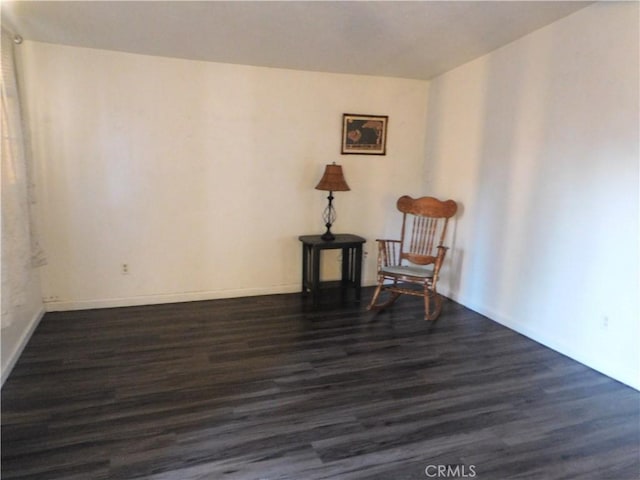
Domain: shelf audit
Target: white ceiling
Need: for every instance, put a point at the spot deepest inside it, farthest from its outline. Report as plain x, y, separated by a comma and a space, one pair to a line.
413, 39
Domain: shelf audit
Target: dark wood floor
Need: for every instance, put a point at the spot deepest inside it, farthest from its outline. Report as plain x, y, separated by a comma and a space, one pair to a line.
261, 388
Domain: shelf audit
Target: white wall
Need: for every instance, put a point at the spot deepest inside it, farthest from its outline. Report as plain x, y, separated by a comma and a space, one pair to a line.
539, 143
200, 176
22, 306
21, 298
25, 318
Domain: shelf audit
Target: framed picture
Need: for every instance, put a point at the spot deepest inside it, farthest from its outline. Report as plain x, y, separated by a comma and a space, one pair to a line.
364, 134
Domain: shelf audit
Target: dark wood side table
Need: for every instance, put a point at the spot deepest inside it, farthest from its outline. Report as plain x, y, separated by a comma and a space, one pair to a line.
313, 245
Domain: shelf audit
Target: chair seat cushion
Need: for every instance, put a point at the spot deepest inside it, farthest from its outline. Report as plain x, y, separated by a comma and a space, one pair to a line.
409, 270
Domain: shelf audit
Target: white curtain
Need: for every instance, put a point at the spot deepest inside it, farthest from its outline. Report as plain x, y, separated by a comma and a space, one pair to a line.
21, 252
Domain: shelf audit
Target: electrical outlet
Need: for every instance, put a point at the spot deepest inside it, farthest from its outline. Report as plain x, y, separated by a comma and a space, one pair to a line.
125, 269
604, 322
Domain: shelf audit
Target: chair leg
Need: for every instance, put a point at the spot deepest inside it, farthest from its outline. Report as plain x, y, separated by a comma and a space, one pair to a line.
376, 294
427, 307
431, 312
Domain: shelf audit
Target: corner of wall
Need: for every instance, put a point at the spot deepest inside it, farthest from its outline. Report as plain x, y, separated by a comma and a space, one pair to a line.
16, 341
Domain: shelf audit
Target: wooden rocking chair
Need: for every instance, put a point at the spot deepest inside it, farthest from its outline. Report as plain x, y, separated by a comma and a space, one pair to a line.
412, 264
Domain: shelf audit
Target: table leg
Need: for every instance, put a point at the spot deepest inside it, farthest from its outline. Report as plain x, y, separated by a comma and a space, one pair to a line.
315, 282
346, 277
305, 268
346, 273
358, 272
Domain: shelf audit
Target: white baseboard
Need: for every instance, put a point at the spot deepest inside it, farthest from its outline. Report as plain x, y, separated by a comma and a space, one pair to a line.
19, 347
90, 304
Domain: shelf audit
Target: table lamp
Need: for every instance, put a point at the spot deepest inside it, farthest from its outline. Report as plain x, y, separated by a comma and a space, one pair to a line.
332, 181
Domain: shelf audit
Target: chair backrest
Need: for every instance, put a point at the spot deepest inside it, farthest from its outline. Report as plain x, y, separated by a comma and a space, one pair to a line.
424, 226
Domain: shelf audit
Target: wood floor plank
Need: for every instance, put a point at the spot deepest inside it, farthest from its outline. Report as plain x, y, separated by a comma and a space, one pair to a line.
265, 388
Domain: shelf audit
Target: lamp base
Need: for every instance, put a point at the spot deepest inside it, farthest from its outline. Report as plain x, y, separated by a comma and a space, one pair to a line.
328, 236
329, 216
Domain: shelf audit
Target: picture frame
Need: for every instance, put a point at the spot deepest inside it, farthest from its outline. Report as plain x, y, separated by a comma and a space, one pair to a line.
364, 134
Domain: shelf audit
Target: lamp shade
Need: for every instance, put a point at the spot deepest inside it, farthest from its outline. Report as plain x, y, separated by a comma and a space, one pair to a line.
333, 180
